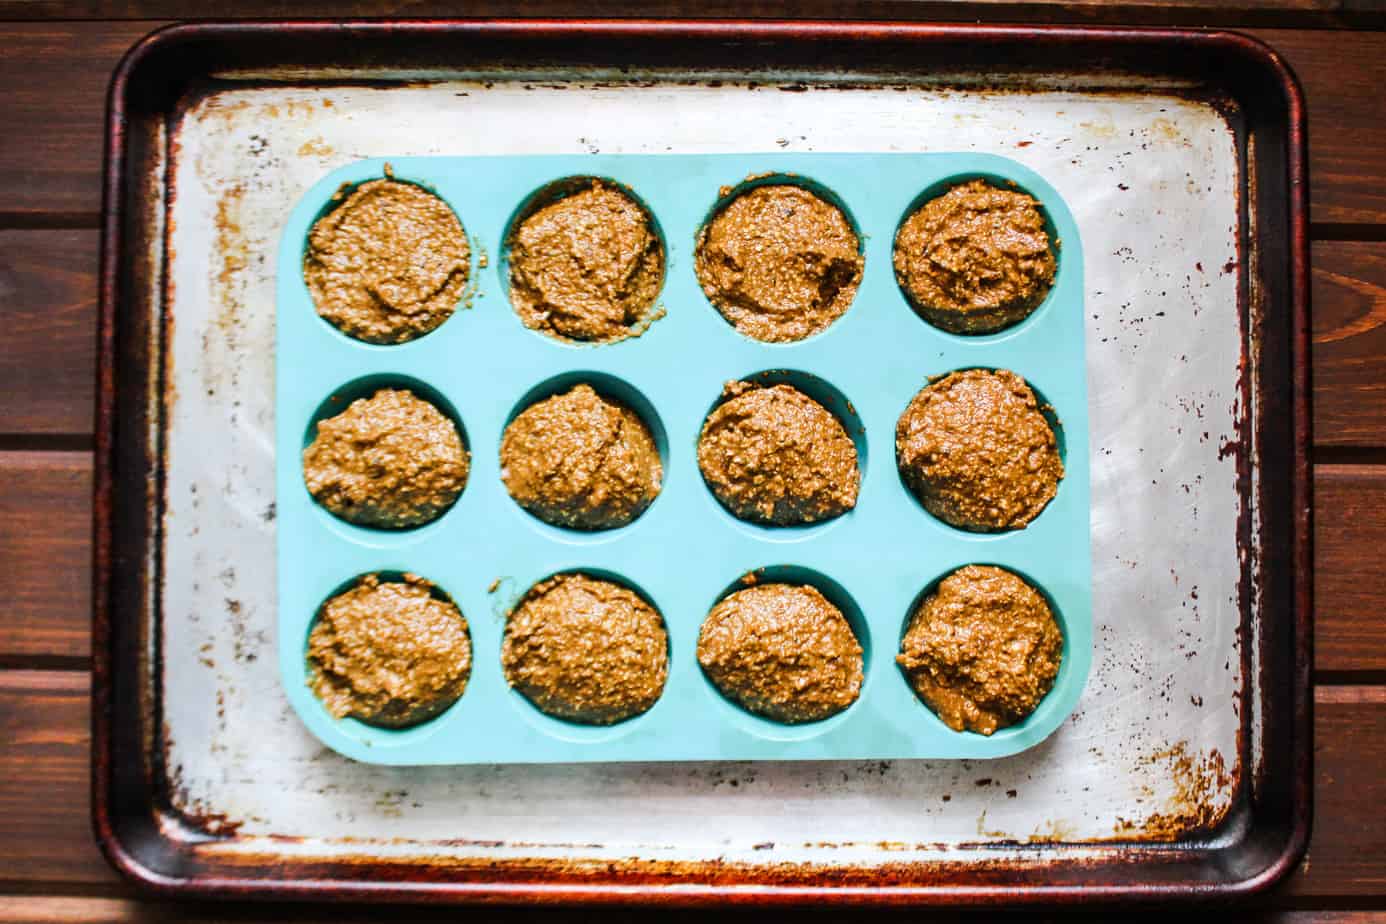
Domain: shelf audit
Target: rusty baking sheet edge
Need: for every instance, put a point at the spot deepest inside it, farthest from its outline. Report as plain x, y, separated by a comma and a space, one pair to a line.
691, 883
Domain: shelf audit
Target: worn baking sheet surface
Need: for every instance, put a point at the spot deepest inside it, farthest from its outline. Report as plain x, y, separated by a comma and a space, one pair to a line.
1150, 752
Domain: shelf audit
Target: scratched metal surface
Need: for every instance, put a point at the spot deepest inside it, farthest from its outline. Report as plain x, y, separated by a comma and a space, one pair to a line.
1152, 748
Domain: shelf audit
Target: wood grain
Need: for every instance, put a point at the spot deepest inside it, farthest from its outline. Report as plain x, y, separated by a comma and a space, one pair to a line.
45, 550
1349, 595
1347, 853
48, 299
55, 75
43, 788
1156, 12
1342, 76
45, 555
48, 308
1349, 349
44, 780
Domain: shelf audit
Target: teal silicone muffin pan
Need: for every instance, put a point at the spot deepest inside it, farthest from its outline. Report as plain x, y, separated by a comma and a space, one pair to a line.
482, 366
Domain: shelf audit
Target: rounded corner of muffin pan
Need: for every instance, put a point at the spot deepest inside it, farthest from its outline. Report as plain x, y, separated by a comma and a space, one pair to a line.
865, 368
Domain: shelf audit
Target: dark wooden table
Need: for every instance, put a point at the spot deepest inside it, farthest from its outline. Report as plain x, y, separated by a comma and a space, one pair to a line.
55, 59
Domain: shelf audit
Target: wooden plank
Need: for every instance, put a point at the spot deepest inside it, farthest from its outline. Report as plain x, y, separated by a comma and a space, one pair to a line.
1349, 344
1163, 12
44, 808
47, 514
1347, 852
55, 75
45, 834
45, 555
1342, 75
48, 308
49, 280
1349, 597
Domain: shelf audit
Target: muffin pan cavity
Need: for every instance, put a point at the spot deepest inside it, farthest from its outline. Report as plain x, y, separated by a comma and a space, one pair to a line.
610, 388
365, 734
1002, 179
1045, 713
1050, 416
552, 193
837, 404
684, 551
337, 401
578, 732
757, 726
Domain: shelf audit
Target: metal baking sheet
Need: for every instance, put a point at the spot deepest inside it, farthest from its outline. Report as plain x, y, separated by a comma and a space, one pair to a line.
1160, 749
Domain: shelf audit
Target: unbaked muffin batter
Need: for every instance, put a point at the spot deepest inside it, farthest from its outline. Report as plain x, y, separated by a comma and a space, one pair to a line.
975, 259
389, 653
587, 267
392, 460
580, 460
977, 452
782, 651
389, 264
779, 263
774, 455
586, 649
982, 650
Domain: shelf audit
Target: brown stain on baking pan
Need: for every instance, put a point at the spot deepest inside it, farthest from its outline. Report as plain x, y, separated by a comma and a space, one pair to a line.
1201, 801
337, 876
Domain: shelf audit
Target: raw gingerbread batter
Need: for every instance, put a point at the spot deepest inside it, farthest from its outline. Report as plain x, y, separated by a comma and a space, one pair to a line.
977, 452
392, 460
390, 653
389, 264
975, 259
982, 650
586, 649
774, 455
782, 651
587, 267
779, 262
581, 460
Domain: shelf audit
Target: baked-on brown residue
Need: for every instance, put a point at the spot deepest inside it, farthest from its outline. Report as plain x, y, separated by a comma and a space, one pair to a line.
585, 649
977, 452
782, 651
587, 267
388, 264
975, 259
390, 653
982, 650
774, 455
391, 460
779, 262
580, 460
